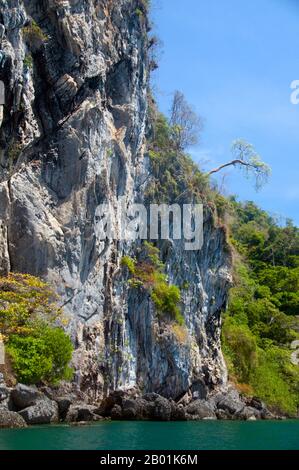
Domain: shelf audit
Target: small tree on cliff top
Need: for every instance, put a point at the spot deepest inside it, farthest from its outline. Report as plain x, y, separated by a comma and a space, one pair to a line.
246, 159
185, 124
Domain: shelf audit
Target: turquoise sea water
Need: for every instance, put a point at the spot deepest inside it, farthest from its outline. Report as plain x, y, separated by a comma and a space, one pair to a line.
201, 435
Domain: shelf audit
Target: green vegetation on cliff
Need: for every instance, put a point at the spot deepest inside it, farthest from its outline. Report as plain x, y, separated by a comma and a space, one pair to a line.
174, 176
31, 326
148, 273
34, 35
261, 321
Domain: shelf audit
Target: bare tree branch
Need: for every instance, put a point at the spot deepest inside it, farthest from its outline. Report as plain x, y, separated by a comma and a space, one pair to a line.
225, 165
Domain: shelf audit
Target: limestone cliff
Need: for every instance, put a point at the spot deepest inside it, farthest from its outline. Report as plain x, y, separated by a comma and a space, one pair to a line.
73, 136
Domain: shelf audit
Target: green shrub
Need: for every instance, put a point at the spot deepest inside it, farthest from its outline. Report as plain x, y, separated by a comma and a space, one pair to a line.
283, 283
29, 358
59, 348
222, 204
129, 263
166, 298
110, 153
42, 356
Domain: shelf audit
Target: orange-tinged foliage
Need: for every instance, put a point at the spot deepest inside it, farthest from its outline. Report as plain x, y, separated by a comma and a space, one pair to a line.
180, 332
25, 299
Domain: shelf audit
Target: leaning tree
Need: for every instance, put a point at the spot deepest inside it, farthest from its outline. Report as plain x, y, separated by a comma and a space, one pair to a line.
247, 160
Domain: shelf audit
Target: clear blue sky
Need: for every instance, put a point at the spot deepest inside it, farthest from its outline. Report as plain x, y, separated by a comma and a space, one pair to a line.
235, 60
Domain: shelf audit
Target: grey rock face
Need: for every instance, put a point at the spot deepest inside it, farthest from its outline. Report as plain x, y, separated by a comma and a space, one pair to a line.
199, 389
5, 398
4, 393
73, 137
11, 419
44, 412
24, 396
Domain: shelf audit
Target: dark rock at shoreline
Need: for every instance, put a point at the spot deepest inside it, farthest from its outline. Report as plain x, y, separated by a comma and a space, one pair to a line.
248, 413
162, 410
256, 403
115, 398
230, 402
81, 412
48, 406
223, 415
64, 404
261, 407
266, 414
43, 412
131, 409
200, 409
222, 405
116, 413
11, 419
147, 408
129, 413
135, 409
24, 396
178, 412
